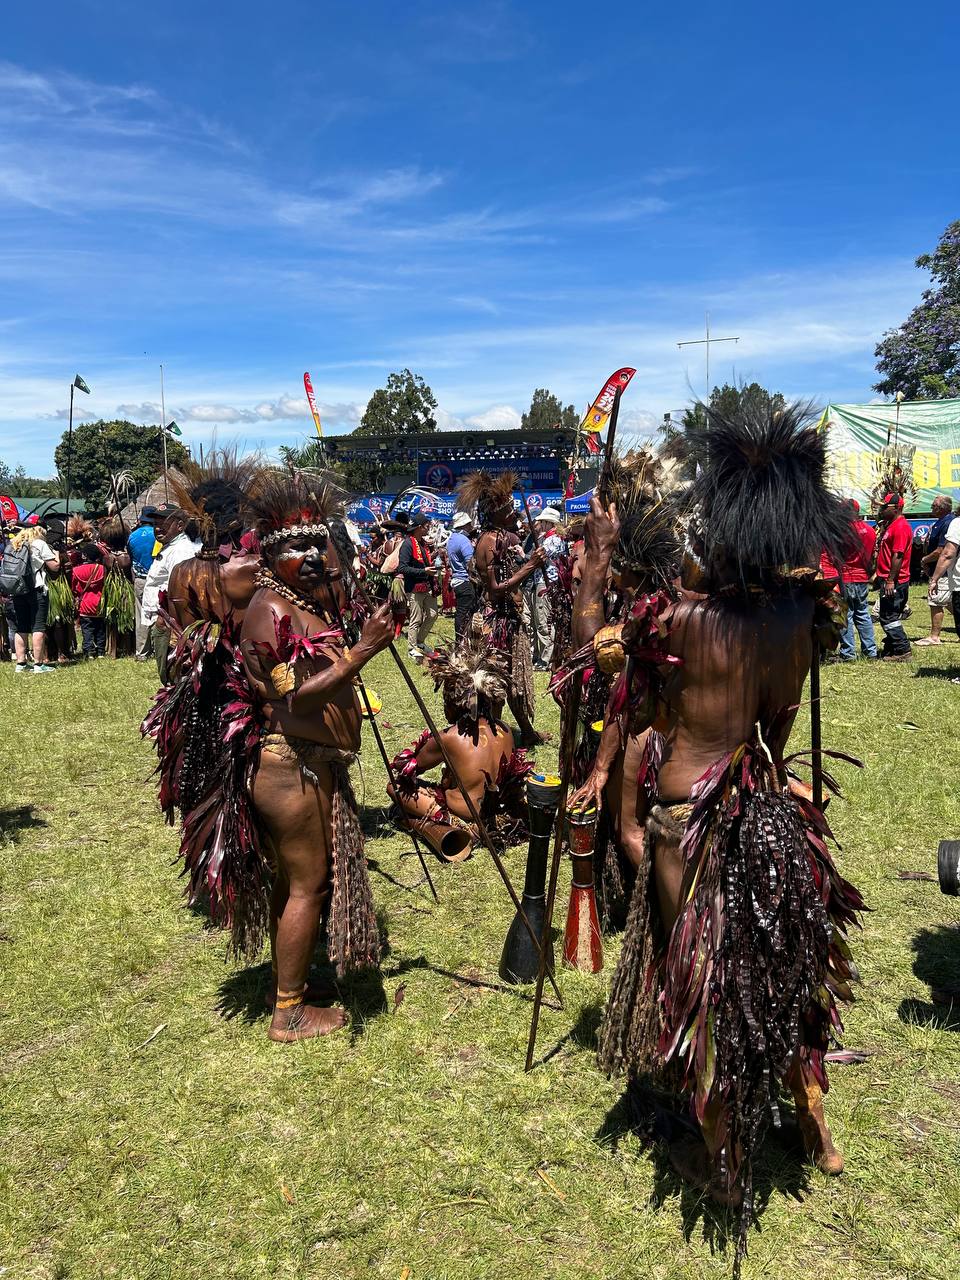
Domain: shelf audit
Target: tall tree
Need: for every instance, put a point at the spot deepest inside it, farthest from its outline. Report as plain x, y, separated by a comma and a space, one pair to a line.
16, 482
101, 448
922, 357
546, 411
406, 405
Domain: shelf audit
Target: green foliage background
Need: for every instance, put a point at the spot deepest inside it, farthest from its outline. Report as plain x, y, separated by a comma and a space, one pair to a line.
103, 448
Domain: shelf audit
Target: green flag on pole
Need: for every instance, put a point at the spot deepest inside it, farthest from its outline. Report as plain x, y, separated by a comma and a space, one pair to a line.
174, 429
79, 383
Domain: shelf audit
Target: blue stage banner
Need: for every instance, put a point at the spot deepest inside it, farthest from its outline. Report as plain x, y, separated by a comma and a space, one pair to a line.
534, 473
441, 506
579, 505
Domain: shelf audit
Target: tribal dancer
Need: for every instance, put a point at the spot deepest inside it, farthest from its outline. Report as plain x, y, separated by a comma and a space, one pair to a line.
629, 568
305, 732
201, 762
479, 744
502, 569
735, 952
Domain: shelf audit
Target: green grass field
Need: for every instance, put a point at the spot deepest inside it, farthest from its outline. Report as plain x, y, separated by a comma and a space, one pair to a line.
149, 1129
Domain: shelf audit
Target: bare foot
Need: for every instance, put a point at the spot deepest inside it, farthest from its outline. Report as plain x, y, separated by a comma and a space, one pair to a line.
818, 1141
305, 1022
691, 1160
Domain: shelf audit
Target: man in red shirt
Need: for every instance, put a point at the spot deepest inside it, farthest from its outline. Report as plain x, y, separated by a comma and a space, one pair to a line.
893, 576
856, 584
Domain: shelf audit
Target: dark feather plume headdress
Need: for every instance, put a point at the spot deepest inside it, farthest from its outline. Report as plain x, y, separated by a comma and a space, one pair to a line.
486, 493
760, 499
289, 503
639, 484
213, 493
474, 678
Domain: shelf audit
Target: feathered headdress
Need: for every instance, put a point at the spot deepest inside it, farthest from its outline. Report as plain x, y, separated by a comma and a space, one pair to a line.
487, 493
760, 499
893, 472
473, 678
79, 529
648, 544
213, 493
290, 503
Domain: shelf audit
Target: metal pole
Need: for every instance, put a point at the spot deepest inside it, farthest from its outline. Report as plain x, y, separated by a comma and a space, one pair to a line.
568, 745
163, 437
69, 460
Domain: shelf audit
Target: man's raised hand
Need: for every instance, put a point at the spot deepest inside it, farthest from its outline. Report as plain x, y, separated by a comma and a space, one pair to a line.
378, 631
601, 530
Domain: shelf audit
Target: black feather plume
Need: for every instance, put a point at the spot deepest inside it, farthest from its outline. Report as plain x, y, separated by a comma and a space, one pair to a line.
760, 498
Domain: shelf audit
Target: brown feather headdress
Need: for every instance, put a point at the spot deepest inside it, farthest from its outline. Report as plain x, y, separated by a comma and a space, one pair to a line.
473, 678
288, 503
487, 493
80, 530
649, 544
212, 494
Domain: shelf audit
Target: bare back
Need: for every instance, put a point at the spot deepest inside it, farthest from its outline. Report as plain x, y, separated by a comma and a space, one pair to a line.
741, 666
475, 762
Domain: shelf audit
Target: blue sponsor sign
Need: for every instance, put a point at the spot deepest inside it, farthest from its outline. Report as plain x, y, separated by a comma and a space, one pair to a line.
441, 506
534, 473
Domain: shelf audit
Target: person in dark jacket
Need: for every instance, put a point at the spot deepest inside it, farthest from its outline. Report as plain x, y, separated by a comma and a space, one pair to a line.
420, 584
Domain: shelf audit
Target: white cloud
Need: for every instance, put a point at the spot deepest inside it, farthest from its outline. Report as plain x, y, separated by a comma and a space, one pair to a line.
500, 417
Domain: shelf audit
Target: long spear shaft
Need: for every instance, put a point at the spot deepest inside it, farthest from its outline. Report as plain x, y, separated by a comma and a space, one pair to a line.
69, 458
454, 773
816, 726
383, 755
393, 780
571, 714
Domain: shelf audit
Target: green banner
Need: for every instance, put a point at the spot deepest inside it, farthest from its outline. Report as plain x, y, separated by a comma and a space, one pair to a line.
857, 432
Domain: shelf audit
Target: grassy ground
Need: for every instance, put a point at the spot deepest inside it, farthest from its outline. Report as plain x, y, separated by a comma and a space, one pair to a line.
150, 1129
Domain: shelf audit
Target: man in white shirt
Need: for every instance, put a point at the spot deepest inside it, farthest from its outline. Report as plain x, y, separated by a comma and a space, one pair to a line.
949, 565
169, 526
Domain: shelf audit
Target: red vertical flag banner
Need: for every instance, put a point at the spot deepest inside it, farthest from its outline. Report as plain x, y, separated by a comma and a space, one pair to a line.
312, 402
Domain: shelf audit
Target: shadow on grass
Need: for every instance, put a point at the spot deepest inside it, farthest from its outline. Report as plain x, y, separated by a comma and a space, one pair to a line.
936, 673
658, 1119
13, 822
937, 963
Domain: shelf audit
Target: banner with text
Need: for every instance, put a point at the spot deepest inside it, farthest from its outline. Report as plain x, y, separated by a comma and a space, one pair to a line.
857, 432
376, 506
533, 473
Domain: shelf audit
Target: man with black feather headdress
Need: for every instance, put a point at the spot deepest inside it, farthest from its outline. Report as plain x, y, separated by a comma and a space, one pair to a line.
734, 955
501, 570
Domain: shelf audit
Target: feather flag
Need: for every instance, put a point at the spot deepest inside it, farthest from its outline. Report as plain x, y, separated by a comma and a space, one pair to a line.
598, 415
312, 402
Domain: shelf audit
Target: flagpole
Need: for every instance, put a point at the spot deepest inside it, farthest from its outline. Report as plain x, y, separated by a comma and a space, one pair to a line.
66, 518
163, 437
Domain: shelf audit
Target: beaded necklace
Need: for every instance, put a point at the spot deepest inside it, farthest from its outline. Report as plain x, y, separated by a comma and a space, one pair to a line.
267, 579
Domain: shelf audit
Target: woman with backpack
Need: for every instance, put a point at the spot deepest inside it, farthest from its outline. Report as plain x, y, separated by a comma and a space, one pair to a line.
88, 578
23, 580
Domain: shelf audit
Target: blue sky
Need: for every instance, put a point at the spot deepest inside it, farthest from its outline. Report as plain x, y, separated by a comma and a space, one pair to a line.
500, 196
